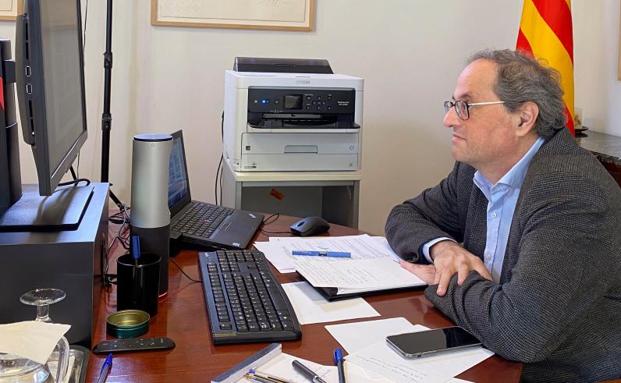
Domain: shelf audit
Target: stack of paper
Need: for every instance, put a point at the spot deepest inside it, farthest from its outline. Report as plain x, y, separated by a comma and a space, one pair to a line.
311, 307
372, 266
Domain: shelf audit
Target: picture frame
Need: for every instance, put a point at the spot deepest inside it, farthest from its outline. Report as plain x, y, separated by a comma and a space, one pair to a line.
9, 9
281, 15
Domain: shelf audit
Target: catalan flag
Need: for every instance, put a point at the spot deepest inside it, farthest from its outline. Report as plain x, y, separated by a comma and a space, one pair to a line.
546, 33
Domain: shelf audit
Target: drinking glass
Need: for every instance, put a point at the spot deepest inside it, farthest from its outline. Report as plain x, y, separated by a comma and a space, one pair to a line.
15, 369
42, 299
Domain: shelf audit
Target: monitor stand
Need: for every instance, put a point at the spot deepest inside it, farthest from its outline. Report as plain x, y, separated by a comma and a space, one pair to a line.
61, 211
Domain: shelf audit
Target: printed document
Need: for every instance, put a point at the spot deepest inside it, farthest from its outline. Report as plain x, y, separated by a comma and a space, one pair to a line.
278, 249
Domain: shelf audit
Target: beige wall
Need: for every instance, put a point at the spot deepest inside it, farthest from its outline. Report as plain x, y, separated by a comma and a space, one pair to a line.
408, 51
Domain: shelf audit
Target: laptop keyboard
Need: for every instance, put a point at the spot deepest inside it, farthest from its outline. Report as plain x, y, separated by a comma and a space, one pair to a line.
201, 219
244, 300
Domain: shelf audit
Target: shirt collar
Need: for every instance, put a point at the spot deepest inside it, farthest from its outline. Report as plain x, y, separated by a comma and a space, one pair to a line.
515, 176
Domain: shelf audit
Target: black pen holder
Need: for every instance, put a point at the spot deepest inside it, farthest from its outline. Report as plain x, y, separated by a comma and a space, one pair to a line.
138, 282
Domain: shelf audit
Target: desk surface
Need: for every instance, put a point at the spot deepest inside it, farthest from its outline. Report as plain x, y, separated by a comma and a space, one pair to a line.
182, 317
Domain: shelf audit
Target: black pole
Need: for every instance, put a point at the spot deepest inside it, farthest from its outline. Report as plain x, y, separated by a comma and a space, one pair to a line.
106, 117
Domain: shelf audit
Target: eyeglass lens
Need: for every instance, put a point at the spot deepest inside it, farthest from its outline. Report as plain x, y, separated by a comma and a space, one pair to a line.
461, 108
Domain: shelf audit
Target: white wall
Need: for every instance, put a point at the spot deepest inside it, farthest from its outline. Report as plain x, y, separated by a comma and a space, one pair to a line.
596, 47
408, 51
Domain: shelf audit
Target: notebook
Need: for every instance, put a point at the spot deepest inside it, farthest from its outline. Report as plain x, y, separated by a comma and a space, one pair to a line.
199, 223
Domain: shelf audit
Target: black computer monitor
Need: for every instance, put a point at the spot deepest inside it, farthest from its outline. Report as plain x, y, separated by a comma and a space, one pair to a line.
50, 86
49, 82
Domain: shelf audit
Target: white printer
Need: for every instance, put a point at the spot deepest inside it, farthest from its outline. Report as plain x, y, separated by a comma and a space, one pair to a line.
277, 120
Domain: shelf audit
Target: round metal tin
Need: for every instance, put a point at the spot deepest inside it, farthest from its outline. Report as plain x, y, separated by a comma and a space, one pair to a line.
127, 323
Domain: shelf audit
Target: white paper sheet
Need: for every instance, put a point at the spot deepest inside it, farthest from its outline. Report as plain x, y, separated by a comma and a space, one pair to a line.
278, 249
382, 243
348, 334
282, 261
360, 246
311, 307
377, 273
31, 339
380, 358
375, 355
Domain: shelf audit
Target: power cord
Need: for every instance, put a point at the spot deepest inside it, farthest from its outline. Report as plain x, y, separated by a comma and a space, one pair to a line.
219, 169
270, 220
122, 237
183, 272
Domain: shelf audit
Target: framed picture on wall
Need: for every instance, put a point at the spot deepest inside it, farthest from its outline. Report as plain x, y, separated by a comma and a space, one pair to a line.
9, 9
286, 15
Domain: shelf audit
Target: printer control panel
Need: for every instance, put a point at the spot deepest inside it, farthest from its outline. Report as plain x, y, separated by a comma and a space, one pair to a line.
308, 100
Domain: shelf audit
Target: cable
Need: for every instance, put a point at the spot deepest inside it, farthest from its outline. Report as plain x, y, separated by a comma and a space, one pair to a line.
122, 237
73, 175
266, 221
215, 186
183, 272
219, 169
75, 182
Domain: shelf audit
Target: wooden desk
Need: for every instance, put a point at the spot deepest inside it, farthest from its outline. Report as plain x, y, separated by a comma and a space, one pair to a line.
182, 317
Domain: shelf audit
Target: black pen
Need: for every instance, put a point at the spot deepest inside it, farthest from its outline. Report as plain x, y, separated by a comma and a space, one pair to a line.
307, 372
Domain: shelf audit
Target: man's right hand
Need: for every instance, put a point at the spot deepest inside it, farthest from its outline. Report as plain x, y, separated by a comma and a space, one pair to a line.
450, 258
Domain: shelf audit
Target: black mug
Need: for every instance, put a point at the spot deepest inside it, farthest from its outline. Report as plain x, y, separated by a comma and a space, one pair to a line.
138, 282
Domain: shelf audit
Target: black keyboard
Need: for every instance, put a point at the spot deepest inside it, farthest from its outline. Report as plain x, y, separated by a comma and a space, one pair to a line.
245, 302
201, 219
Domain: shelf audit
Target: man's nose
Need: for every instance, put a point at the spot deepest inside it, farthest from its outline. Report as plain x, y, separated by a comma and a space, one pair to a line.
450, 118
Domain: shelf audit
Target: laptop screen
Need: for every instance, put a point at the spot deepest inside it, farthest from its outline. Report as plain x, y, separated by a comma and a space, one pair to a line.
178, 183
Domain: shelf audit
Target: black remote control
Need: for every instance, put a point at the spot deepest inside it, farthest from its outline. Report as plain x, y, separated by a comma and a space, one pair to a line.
136, 344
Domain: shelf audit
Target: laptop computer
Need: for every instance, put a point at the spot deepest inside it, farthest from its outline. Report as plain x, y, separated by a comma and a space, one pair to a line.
199, 223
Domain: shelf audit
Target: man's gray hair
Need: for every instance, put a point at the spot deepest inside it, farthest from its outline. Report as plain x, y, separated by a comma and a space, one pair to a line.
521, 78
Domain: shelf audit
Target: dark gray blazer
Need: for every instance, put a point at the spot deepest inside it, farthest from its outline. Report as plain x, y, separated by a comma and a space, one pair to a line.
557, 307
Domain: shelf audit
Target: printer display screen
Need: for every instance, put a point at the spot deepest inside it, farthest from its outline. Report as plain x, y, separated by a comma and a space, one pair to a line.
293, 101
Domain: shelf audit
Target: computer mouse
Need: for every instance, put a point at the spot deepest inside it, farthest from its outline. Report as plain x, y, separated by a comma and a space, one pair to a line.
310, 226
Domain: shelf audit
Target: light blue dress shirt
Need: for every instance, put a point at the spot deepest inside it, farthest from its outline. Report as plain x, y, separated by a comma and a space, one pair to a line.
502, 198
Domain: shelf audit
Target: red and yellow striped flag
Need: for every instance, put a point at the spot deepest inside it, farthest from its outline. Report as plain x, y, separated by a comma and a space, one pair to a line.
546, 33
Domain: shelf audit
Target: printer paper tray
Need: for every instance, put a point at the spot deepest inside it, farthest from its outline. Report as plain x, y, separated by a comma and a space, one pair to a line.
295, 162
299, 152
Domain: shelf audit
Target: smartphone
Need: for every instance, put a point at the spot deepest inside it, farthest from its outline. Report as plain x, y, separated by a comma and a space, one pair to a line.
417, 344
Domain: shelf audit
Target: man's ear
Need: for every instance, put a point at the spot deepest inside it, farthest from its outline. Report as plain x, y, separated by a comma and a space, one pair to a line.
527, 114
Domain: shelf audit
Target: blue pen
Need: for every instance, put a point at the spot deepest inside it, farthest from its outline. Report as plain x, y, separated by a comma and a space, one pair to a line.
315, 253
338, 360
135, 248
105, 369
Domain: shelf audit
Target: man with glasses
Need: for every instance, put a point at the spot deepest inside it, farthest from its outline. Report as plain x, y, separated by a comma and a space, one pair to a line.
521, 243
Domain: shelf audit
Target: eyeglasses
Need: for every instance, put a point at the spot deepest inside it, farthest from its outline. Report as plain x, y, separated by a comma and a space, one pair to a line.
462, 108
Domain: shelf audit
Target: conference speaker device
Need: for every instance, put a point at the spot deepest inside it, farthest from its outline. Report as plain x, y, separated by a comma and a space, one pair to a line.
150, 216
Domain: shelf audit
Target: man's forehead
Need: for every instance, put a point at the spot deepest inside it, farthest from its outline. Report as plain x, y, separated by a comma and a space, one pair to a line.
476, 80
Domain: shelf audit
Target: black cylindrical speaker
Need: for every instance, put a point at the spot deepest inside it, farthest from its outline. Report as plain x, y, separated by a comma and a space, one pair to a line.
150, 216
